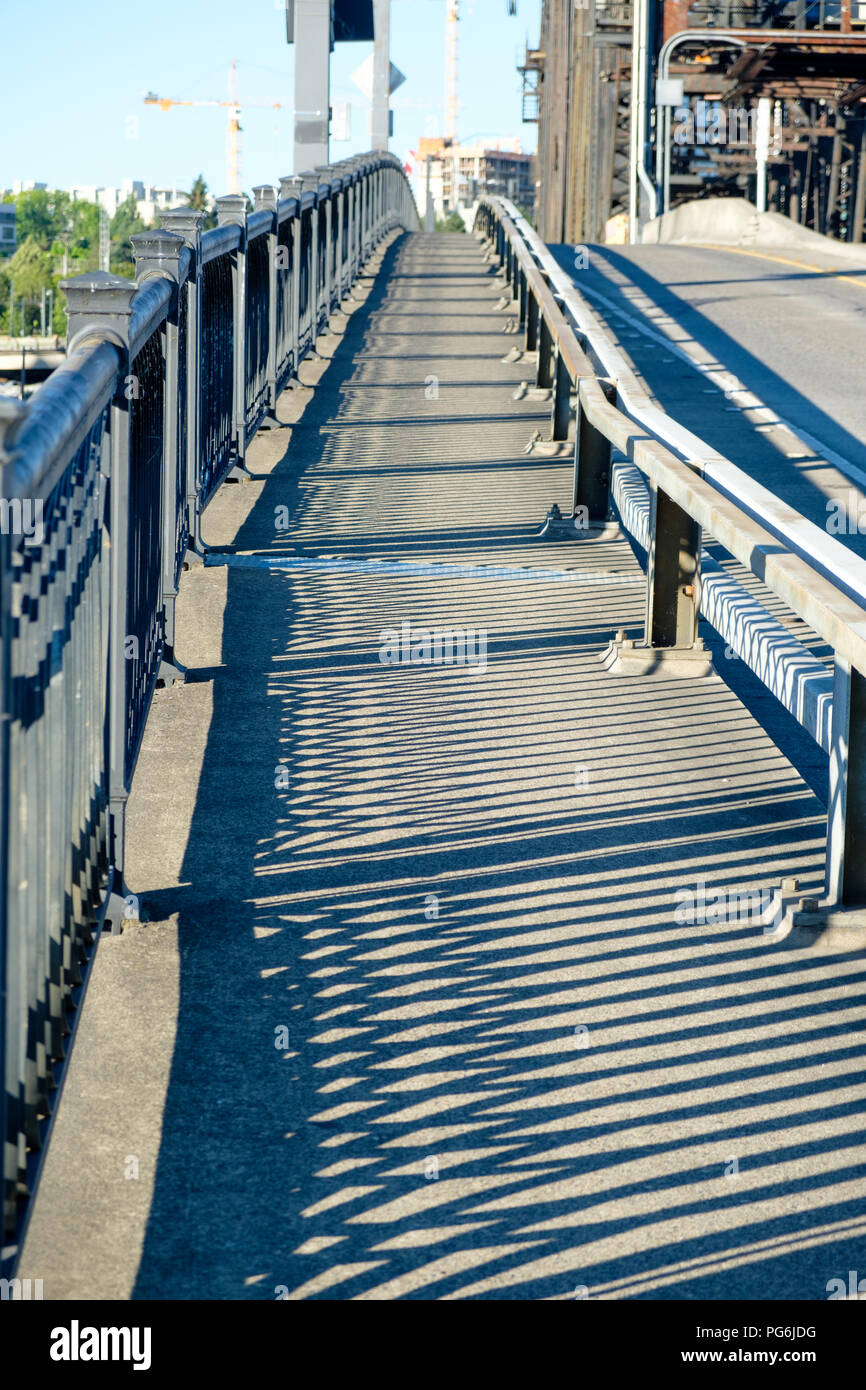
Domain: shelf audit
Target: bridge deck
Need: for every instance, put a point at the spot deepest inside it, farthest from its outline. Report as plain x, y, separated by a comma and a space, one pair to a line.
509, 1070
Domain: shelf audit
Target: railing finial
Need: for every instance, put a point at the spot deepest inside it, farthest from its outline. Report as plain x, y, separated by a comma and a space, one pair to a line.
98, 303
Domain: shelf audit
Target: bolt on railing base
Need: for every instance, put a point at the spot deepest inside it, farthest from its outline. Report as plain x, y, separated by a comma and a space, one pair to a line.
625, 657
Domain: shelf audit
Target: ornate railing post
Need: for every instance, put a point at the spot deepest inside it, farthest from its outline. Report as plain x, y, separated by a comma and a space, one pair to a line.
354, 222
324, 173
158, 254
188, 224
310, 184
292, 187
99, 305
232, 212
266, 201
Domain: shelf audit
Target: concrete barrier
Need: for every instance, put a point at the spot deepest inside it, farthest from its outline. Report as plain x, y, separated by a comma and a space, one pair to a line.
737, 222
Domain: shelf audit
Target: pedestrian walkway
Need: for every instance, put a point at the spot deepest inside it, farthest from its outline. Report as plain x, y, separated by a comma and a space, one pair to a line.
436, 997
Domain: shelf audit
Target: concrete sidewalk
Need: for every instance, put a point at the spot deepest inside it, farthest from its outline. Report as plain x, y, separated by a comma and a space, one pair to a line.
424, 1007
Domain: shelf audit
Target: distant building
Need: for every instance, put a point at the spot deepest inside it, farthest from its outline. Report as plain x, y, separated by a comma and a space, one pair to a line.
149, 200
461, 174
8, 229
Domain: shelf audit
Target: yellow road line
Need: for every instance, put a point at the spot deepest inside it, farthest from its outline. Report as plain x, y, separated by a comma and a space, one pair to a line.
782, 260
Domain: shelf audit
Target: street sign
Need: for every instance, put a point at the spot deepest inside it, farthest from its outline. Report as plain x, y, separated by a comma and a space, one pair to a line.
363, 78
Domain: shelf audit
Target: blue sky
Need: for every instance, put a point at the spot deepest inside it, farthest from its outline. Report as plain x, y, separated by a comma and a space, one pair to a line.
74, 75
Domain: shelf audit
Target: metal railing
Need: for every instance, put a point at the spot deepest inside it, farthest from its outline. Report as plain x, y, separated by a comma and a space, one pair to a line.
669, 488
104, 477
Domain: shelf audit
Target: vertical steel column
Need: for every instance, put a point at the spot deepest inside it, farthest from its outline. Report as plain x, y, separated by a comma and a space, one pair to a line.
846, 810
99, 305
313, 34
380, 129
157, 255
266, 201
232, 212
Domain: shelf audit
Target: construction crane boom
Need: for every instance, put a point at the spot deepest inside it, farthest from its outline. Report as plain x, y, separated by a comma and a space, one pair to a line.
233, 128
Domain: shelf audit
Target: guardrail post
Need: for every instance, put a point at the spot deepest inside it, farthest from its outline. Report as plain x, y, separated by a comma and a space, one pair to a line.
157, 254
673, 573
560, 414
266, 201
232, 212
530, 343
188, 224
592, 461
544, 372
673, 598
846, 810
99, 305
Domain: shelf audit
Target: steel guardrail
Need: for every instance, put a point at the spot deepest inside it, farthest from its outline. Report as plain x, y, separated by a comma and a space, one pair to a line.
668, 511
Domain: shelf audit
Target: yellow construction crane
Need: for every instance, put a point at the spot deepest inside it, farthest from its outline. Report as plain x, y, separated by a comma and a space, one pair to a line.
452, 43
233, 129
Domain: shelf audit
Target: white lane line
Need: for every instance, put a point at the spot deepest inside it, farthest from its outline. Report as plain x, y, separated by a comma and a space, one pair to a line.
725, 381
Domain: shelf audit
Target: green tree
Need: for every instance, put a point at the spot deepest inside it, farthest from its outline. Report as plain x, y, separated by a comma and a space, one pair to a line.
29, 272
29, 269
197, 195
42, 214
4, 300
453, 223
124, 224
197, 199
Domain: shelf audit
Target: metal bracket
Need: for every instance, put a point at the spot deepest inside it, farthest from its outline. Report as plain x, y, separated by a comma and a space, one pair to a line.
625, 657
171, 673
578, 527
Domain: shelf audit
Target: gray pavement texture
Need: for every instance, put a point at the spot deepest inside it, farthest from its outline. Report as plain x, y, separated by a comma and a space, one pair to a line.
432, 1020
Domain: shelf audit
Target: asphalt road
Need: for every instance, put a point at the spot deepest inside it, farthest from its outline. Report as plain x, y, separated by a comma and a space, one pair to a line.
790, 325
